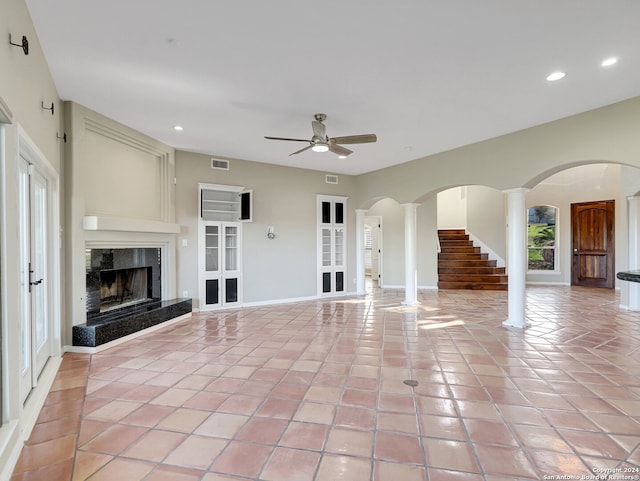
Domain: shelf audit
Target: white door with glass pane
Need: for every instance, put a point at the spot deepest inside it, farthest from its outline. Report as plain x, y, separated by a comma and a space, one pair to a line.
220, 279
34, 301
332, 236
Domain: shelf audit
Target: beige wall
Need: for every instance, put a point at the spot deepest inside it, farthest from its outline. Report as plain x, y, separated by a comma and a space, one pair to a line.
121, 176
25, 82
520, 159
280, 269
486, 220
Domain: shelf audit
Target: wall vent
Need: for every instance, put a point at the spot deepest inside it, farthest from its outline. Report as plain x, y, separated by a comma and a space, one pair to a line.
331, 179
219, 164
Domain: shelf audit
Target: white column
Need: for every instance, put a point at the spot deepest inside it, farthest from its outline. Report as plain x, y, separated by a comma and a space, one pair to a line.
360, 284
516, 258
633, 288
410, 255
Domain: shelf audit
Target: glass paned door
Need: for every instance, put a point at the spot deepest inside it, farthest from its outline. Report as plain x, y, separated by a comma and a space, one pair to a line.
34, 302
331, 244
220, 278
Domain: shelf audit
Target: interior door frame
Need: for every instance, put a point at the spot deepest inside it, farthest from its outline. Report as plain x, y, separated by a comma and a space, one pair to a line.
378, 241
609, 252
222, 273
28, 151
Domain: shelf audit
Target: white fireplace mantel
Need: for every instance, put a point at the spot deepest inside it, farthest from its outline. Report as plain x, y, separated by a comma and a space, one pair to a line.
98, 223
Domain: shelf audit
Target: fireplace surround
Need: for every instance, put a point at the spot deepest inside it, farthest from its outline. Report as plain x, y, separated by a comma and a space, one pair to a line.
124, 295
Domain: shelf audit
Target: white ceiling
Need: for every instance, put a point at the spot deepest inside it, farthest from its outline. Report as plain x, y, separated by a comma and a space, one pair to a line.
424, 75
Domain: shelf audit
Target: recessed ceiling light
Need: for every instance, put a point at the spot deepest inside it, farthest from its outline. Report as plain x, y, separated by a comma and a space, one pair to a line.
342, 156
179, 128
609, 61
555, 76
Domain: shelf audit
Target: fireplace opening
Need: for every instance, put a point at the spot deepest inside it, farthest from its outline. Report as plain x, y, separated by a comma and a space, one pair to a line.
121, 280
124, 287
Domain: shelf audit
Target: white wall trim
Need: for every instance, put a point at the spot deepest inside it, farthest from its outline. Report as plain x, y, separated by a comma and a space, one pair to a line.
15, 433
164, 156
6, 117
540, 283
10, 448
100, 222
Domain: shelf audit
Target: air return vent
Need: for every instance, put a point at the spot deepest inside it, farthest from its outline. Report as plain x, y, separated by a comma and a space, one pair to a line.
331, 179
219, 164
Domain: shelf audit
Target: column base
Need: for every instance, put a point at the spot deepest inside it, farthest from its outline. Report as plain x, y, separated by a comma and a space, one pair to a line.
410, 303
518, 325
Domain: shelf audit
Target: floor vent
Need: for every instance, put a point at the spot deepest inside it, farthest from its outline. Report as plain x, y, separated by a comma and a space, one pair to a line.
219, 164
331, 179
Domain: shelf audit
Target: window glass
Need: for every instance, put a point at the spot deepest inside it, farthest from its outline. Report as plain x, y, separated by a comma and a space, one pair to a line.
541, 238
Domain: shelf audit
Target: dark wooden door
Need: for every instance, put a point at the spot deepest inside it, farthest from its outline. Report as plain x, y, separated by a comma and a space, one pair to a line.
593, 244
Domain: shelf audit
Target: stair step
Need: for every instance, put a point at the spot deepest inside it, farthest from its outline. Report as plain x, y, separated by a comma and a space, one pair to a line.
473, 286
462, 256
456, 242
481, 278
470, 270
461, 265
459, 249
453, 237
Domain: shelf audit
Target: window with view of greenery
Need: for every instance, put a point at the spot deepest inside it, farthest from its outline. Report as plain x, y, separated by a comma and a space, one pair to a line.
541, 238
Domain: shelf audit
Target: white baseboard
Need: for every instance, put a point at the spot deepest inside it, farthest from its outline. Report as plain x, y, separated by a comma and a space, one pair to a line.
541, 283
10, 448
115, 342
38, 396
14, 433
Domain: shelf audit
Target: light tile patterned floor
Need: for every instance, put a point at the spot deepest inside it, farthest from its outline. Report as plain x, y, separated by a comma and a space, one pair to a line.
315, 391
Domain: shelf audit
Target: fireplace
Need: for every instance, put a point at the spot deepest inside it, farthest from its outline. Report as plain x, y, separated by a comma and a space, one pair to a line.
124, 287
124, 295
119, 278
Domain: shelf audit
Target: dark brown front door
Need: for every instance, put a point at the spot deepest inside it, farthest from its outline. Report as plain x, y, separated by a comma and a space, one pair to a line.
593, 244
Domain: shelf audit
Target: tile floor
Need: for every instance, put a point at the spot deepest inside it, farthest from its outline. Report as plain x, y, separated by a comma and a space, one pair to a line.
315, 391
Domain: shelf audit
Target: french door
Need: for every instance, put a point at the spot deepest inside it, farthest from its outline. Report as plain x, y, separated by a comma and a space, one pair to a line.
34, 300
220, 279
332, 240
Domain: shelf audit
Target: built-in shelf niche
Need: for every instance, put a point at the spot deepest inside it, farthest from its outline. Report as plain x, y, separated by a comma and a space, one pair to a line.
225, 203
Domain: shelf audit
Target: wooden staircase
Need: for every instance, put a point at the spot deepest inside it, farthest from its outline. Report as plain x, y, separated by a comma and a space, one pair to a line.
461, 265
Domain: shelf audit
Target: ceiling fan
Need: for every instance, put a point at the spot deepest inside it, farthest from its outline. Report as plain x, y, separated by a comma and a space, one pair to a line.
321, 142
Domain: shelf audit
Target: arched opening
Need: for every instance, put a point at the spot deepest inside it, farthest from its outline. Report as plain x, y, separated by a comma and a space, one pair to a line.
559, 191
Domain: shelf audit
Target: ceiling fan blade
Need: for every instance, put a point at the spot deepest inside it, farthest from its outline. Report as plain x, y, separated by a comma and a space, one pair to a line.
319, 129
339, 150
301, 150
355, 139
285, 138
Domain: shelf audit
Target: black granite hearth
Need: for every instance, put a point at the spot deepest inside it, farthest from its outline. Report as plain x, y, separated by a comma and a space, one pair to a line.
117, 323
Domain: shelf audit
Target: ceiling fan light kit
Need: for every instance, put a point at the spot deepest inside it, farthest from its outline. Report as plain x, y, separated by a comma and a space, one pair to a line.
321, 142
320, 147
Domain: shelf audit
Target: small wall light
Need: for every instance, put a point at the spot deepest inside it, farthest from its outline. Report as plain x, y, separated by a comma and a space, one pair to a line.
24, 44
270, 233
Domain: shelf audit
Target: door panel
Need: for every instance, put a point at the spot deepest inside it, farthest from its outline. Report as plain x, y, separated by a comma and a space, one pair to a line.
593, 244
34, 302
221, 275
39, 300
